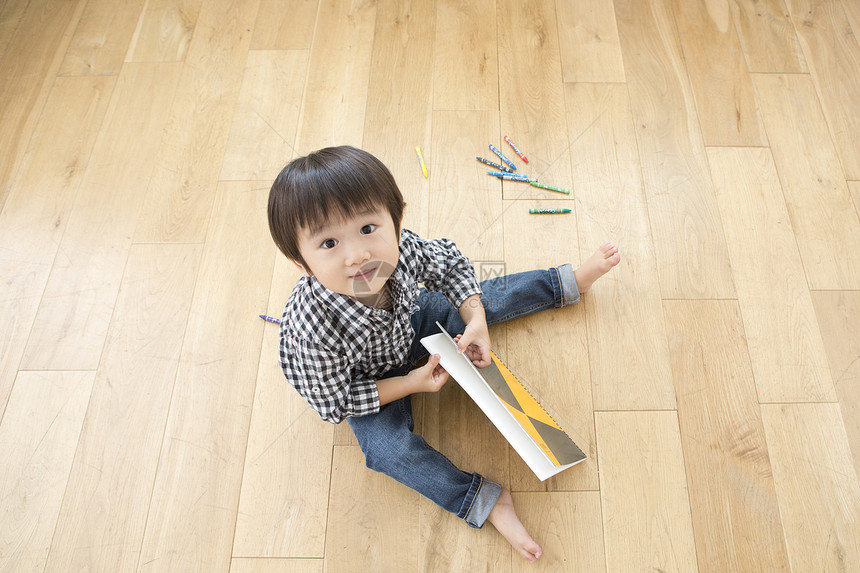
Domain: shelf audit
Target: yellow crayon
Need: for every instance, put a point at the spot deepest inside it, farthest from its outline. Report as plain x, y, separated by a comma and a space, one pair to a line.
421, 159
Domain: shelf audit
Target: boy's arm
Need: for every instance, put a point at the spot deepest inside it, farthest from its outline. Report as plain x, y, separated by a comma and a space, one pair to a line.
429, 378
475, 340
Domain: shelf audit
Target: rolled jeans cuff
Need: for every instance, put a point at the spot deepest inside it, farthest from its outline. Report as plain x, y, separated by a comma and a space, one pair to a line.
479, 501
569, 289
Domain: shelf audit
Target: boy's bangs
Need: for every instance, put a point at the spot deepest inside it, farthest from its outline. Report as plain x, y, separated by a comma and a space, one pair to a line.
316, 206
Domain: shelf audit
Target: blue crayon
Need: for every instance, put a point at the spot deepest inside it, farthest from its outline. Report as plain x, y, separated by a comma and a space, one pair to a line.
502, 157
270, 319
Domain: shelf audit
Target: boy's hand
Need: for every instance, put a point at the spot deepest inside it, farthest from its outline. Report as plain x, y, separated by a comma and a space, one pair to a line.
430, 377
475, 344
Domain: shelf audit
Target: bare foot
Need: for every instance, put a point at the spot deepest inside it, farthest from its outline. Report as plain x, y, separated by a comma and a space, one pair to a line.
505, 519
606, 257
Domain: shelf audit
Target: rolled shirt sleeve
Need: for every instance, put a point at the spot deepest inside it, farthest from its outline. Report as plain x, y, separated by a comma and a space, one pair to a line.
440, 265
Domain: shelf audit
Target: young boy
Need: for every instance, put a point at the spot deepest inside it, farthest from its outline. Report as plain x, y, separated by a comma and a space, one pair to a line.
350, 332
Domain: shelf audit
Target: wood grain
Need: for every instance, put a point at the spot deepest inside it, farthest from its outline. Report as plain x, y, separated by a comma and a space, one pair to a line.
833, 54
567, 526
38, 438
588, 41
691, 254
531, 96
106, 503
768, 37
285, 487
400, 101
274, 32
36, 213
182, 190
80, 295
785, 345
267, 565
558, 373
628, 370
465, 62
370, 515
164, 31
643, 492
192, 515
465, 203
838, 315
812, 180
735, 512
724, 93
102, 38
33, 52
336, 92
266, 116
817, 487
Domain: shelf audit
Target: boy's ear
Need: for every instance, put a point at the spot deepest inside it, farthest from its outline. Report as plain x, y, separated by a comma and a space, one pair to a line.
302, 268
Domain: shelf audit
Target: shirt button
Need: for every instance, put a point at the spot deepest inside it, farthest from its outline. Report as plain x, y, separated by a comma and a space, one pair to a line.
315, 389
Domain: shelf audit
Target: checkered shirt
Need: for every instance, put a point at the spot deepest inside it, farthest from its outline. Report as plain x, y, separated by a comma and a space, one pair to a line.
334, 348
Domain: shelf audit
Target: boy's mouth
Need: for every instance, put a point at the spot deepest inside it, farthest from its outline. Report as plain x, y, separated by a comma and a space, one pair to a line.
364, 275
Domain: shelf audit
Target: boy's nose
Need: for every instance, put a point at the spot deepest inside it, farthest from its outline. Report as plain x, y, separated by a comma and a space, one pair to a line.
357, 256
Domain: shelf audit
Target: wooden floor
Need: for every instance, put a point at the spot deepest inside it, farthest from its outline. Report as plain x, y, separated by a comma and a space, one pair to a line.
713, 378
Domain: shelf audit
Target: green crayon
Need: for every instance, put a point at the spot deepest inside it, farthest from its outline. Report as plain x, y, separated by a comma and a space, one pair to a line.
548, 211
549, 187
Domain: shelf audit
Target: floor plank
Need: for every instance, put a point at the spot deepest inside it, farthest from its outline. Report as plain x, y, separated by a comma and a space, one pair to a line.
531, 95
588, 40
164, 31
725, 99
628, 371
833, 54
36, 213
193, 511
371, 516
567, 526
448, 416
643, 492
336, 89
817, 487
274, 32
839, 320
785, 345
735, 512
691, 254
768, 37
102, 38
465, 56
285, 487
28, 66
266, 565
266, 116
38, 438
561, 384
400, 101
812, 180
471, 215
180, 196
79, 297
101, 525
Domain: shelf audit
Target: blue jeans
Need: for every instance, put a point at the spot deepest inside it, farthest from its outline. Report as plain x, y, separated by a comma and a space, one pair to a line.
387, 439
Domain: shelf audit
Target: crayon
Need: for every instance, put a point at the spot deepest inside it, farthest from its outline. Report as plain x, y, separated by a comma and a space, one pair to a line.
550, 187
498, 166
511, 176
270, 319
548, 211
421, 159
516, 149
502, 157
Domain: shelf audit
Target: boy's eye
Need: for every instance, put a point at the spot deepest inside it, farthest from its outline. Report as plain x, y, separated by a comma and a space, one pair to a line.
368, 229
329, 243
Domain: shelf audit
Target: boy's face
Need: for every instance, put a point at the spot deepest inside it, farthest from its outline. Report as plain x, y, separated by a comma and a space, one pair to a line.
354, 256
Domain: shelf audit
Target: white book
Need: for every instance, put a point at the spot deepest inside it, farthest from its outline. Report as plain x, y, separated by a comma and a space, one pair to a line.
541, 442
